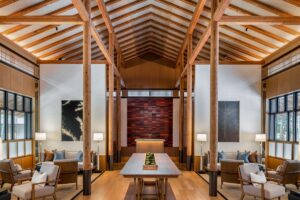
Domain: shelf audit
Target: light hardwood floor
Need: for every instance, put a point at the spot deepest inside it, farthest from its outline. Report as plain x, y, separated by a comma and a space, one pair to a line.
112, 186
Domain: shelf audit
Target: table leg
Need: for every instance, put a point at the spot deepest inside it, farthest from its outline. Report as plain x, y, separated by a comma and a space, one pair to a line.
166, 186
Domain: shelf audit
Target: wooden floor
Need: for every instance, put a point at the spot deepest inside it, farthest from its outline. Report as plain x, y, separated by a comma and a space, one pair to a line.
112, 186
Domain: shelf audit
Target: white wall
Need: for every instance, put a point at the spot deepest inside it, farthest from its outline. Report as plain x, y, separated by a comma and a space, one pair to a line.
236, 83
64, 82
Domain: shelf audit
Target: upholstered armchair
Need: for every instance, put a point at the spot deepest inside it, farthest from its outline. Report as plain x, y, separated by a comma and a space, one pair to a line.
33, 191
288, 174
229, 171
268, 190
11, 174
68, 171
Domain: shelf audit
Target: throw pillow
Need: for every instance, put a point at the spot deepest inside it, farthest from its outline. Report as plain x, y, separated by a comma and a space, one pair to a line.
39, 178
279, 169
79, 156
243, 156
253, 157
59, 155
18, 167
257, 178
48, 155
221, 156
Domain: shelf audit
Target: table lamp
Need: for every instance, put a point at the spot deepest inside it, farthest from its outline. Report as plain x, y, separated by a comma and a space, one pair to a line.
261, 138
201, 137
98, 137
40, 137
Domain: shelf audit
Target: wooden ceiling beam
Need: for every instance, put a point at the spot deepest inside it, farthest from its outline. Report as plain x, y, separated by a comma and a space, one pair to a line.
204, 37
33, 20
84, 16
34, 7
293, 2
268, 8
260, 20
4, 3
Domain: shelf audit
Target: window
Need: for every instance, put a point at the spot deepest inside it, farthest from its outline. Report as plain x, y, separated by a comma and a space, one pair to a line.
281, 127
15, 124
283, 116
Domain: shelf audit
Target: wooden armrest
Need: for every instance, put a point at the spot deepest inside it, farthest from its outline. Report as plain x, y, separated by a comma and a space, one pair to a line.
33, 184
23, 179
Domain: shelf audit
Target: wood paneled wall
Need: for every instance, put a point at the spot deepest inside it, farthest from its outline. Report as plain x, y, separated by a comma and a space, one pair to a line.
284, 82
16, 81
26, 162
145, 74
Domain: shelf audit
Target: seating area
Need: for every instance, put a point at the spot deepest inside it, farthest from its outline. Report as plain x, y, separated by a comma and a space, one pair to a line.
149, 99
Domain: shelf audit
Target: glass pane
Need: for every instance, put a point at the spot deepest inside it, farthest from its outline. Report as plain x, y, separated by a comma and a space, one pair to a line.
28, 147
287, 151
290, 102
291, 126
281, 104
273, 105
281, 127
21, 148
9, 118
271, 148
19, 125
19, 103
4, 150
279, 150
27, 104
2, 99
298, 100
296, 152
2, 124
298, 126
13, 149
11, 101
272, 127
28, 126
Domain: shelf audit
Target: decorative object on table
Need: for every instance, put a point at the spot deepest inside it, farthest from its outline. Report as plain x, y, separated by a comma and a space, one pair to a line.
150, 163
229, 121
201, 137
4, 194
261, 138
39, 137
98, 137
72, 121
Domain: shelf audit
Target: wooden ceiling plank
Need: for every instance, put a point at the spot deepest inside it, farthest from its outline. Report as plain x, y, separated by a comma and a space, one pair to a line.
4, 3
258, 20
34, 7
293, 2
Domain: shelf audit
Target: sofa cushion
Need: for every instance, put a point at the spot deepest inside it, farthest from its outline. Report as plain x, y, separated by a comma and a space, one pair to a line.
221, 156
243, 156
48, 155
25, 174
51, 170
71, 155
39, 178
79, 156
271, 190
80, 165
253, 157
23, 191
59, 155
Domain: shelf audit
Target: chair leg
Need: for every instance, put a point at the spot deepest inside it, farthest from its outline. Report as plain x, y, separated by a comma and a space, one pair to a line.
54, 196
242, 196
11, 187
221, 185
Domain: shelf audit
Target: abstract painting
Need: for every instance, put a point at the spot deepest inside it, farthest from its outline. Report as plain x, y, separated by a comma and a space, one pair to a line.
72, 124
229, 121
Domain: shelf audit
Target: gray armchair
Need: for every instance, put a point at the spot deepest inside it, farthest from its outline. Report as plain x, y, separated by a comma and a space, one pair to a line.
29, 190
269, 190
10, 173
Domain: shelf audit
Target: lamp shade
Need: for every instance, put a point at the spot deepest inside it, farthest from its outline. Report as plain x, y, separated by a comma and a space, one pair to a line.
260, 137
40, 136
201, 137
98, 137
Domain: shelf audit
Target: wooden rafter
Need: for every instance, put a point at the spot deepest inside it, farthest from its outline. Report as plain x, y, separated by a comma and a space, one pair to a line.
32, 20
260, 20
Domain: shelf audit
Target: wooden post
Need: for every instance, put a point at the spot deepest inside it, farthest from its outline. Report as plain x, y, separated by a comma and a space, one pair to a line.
87, 172
119, 111
110, 103
189, 107
181, 112
214, 62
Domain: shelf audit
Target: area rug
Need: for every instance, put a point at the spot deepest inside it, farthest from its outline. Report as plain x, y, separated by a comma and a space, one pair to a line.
233, 191
66, 191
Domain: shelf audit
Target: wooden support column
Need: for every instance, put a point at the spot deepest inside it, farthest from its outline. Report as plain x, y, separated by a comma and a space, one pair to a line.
189, 107
118, 111
214, 62
87, 171
110, 103
181, 112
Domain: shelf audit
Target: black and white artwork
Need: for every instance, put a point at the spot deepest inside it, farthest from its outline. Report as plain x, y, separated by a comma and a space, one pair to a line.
72, 124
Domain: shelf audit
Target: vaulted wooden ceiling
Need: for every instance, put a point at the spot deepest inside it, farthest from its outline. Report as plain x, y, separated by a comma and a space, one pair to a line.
155, 26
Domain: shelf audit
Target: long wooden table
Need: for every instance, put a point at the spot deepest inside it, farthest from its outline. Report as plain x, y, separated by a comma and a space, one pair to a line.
166, 169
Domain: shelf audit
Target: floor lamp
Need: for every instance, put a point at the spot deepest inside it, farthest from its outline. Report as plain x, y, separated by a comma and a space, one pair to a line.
39, 137
261, 138
98, 137
201, 138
